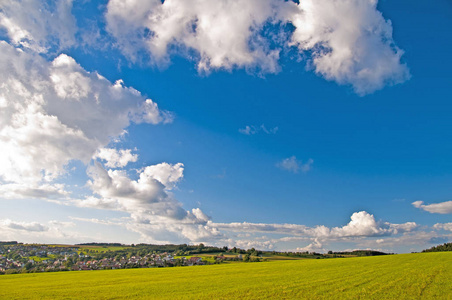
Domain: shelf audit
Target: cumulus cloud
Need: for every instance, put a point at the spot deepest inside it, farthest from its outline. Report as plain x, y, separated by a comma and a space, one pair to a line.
293, 165
116, 158
438, 208
349, 42
37, 24
153, 210
130, 195
55, 112
315, 246
224, 34
362, 227
362, 224
250, 130
443, 226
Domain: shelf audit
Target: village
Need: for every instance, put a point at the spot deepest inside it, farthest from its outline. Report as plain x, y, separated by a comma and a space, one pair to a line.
25, 258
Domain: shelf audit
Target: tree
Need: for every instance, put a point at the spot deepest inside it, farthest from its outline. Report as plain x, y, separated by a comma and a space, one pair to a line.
69, 263
28, 266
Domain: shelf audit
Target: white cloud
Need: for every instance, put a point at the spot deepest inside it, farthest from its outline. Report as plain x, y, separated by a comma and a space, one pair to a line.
7, 224
154, 212
248, 244
43, 191
37, 24
405, 227
98, 221
438, 208
56, 112
361, 228
362, 224
415, 241
165, 173
61, 223
293, 165
315, 246
262, 227
136, 195
116, 158
349, 42
225, 34
250, 130
443, 226
35, 232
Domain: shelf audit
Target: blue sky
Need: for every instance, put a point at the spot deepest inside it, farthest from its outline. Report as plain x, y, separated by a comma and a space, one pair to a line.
310, 126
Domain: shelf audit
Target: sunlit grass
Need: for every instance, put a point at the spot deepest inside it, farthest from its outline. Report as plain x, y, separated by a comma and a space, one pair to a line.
405, 276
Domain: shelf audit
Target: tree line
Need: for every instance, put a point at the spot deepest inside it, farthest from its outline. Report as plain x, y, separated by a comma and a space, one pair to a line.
440, 248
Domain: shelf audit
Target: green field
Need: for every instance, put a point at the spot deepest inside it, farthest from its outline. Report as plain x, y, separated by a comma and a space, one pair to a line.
404, 276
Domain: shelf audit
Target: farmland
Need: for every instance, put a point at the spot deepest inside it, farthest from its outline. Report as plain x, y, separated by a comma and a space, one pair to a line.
404, 276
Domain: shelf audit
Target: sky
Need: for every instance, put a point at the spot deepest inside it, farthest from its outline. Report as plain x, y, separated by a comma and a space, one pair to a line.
309, 125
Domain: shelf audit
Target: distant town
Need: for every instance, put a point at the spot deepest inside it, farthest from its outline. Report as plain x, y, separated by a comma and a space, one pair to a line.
30, 258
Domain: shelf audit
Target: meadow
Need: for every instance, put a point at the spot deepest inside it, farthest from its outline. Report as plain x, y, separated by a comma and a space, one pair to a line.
403, 276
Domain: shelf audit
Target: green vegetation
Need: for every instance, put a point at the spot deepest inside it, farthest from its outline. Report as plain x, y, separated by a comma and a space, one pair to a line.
40, 259
404, 276
440, 248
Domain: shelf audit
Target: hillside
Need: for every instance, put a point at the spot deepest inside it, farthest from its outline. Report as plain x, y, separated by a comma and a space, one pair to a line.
404, 276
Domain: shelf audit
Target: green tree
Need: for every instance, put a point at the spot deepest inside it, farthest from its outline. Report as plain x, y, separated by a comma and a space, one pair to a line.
28, 266
69, 263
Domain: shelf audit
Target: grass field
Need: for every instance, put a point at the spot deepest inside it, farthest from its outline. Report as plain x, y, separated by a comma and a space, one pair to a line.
39, 259
404, 276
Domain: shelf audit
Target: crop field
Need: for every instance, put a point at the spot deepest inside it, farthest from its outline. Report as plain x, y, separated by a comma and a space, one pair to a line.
404, 276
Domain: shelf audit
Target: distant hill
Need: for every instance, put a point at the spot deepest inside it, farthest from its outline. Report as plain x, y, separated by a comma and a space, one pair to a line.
440, 248
360, 253
101, 244
8, 243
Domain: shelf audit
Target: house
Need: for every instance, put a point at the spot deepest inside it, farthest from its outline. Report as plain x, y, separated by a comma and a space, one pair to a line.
194, 261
